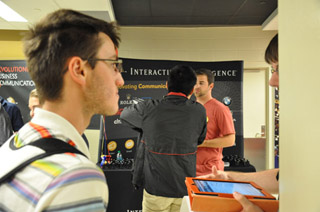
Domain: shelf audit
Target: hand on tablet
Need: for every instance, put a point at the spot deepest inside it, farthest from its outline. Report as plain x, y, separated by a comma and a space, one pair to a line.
216, 174
247, 206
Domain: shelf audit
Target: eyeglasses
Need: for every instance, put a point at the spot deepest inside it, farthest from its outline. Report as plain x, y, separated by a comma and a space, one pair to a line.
117, 64
275, 70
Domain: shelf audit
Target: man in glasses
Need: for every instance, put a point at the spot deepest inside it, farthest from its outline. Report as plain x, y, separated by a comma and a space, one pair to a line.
73, 60
267, 179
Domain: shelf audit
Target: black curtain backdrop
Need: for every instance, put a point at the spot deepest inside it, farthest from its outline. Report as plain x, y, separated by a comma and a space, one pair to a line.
146, 79
17, 84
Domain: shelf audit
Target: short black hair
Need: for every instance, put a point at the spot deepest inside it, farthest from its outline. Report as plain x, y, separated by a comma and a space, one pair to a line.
182, 79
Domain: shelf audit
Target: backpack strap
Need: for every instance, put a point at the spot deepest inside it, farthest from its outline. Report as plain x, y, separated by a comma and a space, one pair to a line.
51, 146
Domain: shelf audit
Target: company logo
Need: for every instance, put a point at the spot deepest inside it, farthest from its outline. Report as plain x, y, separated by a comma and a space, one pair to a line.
227, 101
112, 145
127, 101
129, 144
117, 121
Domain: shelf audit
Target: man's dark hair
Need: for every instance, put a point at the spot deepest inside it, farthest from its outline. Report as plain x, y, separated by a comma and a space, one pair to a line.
271, 54
181, 79
59, 36
207, 72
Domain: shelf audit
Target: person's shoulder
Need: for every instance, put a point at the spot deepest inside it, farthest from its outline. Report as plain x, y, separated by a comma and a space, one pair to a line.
71, 171
12, 106
196, 105
193, 102
152, 102
217, 103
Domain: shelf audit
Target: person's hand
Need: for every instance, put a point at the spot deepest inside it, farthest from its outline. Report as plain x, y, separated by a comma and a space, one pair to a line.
216, 174
247, 206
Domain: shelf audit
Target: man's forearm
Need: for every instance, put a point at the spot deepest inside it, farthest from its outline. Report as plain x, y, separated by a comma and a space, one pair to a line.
225, 141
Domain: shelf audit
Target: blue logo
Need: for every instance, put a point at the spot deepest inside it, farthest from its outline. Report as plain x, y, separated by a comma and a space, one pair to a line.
227, 101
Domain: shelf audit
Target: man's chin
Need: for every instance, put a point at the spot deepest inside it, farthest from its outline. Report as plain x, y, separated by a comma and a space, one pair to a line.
113, 112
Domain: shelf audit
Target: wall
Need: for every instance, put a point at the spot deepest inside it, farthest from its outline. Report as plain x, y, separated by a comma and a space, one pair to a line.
254, 116
254, 102
196, 44
11, 45
299, 40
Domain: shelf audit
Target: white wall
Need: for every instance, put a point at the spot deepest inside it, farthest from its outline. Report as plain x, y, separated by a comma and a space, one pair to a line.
299, 39
254, 102
196, 44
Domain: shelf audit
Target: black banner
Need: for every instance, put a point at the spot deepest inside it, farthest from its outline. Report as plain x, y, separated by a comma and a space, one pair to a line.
16, 84
146, 79
158, 70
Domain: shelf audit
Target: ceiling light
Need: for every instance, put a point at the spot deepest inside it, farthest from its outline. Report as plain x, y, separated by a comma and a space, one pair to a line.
9, 14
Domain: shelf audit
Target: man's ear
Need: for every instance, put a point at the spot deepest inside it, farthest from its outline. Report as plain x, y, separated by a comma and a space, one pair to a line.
76, 70
211, 85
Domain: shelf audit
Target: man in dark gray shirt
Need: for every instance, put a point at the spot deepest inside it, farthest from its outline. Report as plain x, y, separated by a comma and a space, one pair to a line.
170, 129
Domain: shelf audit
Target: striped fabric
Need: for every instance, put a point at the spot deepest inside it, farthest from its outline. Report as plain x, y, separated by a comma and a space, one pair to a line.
61, 182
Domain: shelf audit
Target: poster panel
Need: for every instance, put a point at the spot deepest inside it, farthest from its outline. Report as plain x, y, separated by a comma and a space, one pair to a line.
16, 84
146, 79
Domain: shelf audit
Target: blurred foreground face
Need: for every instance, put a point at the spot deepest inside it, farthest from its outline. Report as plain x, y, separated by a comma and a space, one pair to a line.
274, 80
202, 87
33, 103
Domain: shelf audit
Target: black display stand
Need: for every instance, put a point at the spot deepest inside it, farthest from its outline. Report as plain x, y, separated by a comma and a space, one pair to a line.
249, 168
122, 195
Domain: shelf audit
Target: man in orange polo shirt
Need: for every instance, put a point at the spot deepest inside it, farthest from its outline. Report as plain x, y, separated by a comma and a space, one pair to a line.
220, 127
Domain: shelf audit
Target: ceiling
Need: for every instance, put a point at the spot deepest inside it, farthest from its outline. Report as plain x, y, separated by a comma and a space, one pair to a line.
185, 13
192, 12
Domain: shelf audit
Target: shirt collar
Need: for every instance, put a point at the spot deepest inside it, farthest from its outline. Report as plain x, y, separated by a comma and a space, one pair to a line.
176, 94
3, 101
56, 122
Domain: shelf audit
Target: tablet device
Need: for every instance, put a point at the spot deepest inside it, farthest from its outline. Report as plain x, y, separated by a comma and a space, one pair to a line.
217, 195
226, 188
